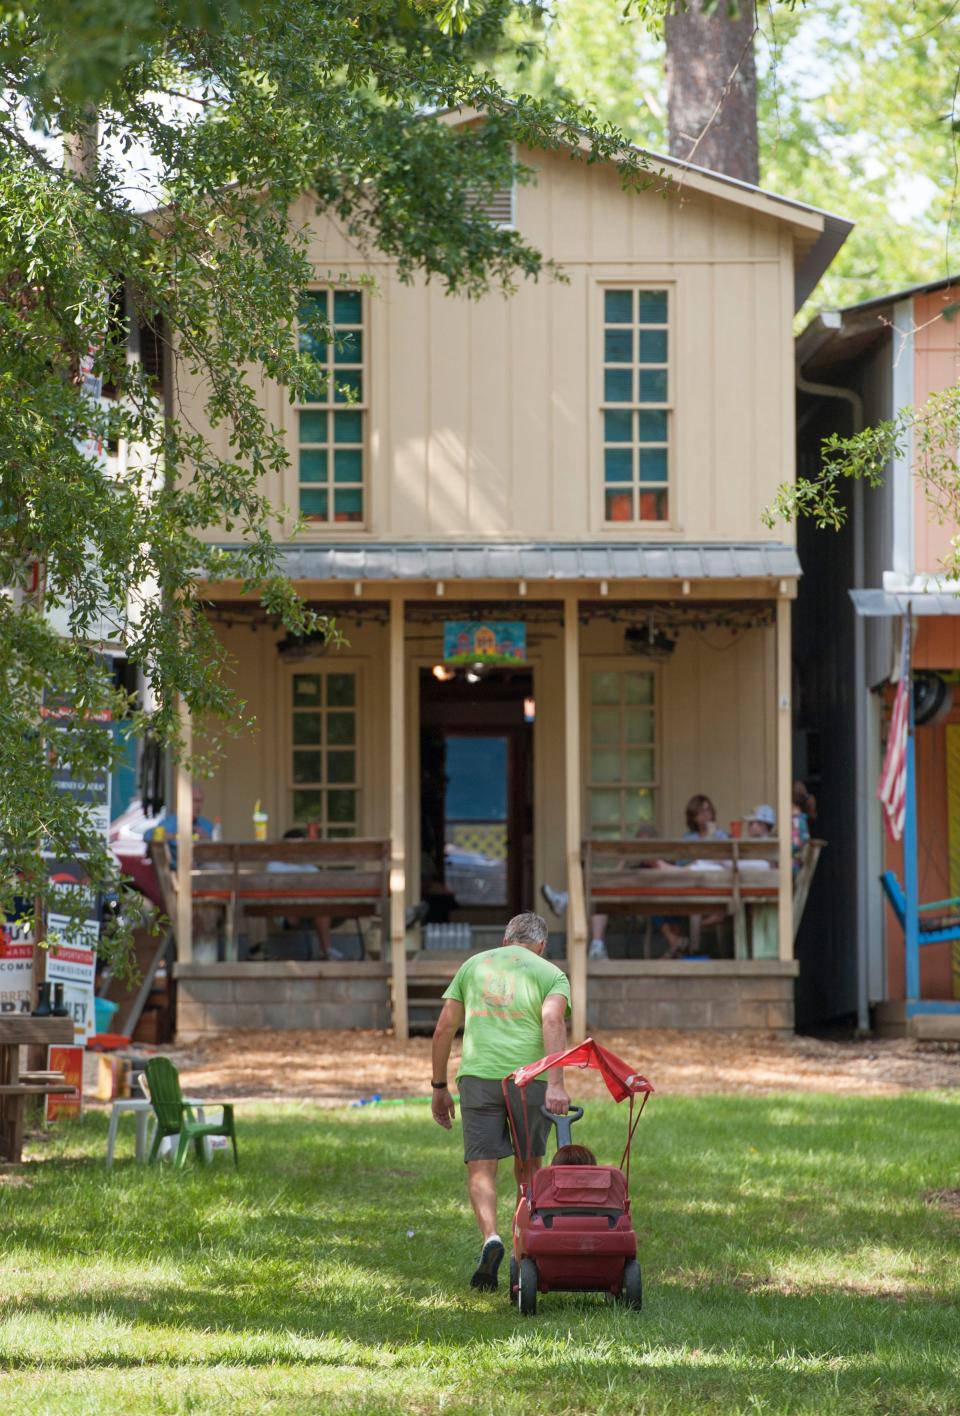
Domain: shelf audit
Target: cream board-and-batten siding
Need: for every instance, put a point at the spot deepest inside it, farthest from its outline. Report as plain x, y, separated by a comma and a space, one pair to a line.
483, 417
482, 435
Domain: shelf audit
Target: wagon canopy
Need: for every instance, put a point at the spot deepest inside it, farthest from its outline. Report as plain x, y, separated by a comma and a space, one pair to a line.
621, 1080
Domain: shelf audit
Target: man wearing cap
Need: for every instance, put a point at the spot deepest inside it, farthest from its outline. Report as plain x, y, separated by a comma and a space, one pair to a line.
764, 927
512, 1005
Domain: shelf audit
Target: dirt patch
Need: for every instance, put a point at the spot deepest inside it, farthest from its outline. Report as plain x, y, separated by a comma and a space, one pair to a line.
948, 1200
334, 1068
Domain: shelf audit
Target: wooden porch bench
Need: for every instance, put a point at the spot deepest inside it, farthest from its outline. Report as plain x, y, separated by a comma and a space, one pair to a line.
623, 878
348, 878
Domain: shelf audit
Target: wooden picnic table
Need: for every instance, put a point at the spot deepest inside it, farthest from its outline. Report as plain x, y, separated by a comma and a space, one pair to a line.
18, 1030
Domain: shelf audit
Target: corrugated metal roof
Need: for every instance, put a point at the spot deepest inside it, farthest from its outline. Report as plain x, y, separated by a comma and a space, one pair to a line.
880, 604
541, 561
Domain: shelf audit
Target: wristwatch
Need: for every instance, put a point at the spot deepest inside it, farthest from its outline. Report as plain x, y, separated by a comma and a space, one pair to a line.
439, 1086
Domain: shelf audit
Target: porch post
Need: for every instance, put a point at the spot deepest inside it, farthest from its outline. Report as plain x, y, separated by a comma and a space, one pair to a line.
784, 779
397, 710
576, 912
911, 913
184, 921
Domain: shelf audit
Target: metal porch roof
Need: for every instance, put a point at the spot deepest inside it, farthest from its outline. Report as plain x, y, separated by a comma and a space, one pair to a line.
881, 604
386, 561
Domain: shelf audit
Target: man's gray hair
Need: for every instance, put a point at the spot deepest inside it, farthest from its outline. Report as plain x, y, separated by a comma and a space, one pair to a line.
526, 928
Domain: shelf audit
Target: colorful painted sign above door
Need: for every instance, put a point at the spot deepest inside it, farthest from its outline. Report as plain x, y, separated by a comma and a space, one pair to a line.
484, 642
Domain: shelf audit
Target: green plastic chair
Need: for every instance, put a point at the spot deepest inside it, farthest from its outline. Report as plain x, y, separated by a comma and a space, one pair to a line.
175, 1116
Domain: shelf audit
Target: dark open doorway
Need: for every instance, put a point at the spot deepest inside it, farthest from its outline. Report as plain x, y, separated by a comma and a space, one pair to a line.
476, 794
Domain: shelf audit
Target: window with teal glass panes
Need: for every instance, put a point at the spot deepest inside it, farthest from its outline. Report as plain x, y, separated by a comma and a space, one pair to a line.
331, 422
324, 750
636, 409
622, 761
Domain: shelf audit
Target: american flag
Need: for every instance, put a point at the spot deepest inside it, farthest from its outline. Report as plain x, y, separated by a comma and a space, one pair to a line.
892, 790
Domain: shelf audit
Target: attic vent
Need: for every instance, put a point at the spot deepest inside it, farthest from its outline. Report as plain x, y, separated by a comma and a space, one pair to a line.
497, 207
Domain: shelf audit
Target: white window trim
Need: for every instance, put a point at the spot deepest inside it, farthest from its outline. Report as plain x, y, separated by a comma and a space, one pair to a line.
324, 664
627, 530
619, 663
363, 406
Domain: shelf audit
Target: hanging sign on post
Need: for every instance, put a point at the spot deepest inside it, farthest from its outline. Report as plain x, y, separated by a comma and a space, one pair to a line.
484, 642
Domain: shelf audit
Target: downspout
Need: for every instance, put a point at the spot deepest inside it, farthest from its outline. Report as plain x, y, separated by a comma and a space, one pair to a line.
862, 796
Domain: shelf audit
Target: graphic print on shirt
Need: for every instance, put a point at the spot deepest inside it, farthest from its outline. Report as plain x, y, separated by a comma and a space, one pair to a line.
497, 993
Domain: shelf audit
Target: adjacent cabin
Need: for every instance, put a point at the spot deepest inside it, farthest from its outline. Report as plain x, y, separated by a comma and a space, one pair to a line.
537, 522
856, 367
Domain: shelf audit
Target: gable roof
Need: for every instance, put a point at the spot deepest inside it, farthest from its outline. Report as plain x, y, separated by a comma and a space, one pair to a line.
818, 235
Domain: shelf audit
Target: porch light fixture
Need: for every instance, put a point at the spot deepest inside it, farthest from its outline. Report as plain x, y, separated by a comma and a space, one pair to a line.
647, 641
529, 710
442, 674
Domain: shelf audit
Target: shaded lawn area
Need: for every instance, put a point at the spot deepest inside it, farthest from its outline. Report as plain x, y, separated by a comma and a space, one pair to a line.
793, 1262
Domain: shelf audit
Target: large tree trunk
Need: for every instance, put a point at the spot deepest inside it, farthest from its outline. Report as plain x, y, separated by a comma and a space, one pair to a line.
712, 86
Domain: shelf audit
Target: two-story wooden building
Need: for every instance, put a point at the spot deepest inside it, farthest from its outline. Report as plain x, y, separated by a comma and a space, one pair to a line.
577, 471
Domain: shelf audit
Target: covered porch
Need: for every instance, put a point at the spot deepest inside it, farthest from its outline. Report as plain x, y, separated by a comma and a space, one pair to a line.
647, 675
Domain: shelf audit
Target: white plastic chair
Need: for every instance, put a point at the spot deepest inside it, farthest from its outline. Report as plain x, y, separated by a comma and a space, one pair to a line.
141, 1108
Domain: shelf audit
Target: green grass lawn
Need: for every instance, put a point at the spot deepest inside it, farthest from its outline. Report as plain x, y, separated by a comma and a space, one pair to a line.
791, 1260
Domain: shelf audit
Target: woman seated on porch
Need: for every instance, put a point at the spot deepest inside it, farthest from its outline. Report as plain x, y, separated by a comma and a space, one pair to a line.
702, 825
701, 817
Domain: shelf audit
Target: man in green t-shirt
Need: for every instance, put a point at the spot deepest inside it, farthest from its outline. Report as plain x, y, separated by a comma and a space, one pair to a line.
512, 1005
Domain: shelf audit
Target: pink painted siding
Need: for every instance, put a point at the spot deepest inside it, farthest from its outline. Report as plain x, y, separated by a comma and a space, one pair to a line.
933, 865
936, 367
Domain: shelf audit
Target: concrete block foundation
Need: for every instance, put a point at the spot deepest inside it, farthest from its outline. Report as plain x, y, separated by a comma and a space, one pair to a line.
725, 995
281, 995
734, 995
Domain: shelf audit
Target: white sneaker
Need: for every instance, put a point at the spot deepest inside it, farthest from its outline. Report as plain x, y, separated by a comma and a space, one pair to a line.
597, 950
556, 899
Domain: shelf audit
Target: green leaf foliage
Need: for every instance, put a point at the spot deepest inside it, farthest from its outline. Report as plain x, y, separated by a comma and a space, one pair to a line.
244, 107
856, 111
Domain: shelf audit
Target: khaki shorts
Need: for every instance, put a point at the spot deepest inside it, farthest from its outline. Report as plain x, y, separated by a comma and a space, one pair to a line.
483, 1114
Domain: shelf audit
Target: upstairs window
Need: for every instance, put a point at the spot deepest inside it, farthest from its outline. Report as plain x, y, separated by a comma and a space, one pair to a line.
636, 407
332, 422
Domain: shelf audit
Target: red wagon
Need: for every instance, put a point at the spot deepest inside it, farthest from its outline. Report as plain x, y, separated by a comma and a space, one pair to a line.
573, 1230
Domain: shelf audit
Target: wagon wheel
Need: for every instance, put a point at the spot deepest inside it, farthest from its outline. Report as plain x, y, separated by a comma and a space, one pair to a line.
631, 1292
527, 1287
514, 1277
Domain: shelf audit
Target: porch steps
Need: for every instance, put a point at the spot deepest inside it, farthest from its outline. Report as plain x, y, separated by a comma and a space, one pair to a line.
428, 974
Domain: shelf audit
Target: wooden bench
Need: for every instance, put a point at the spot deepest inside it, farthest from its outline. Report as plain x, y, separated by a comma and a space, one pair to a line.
624, 877
344, 878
